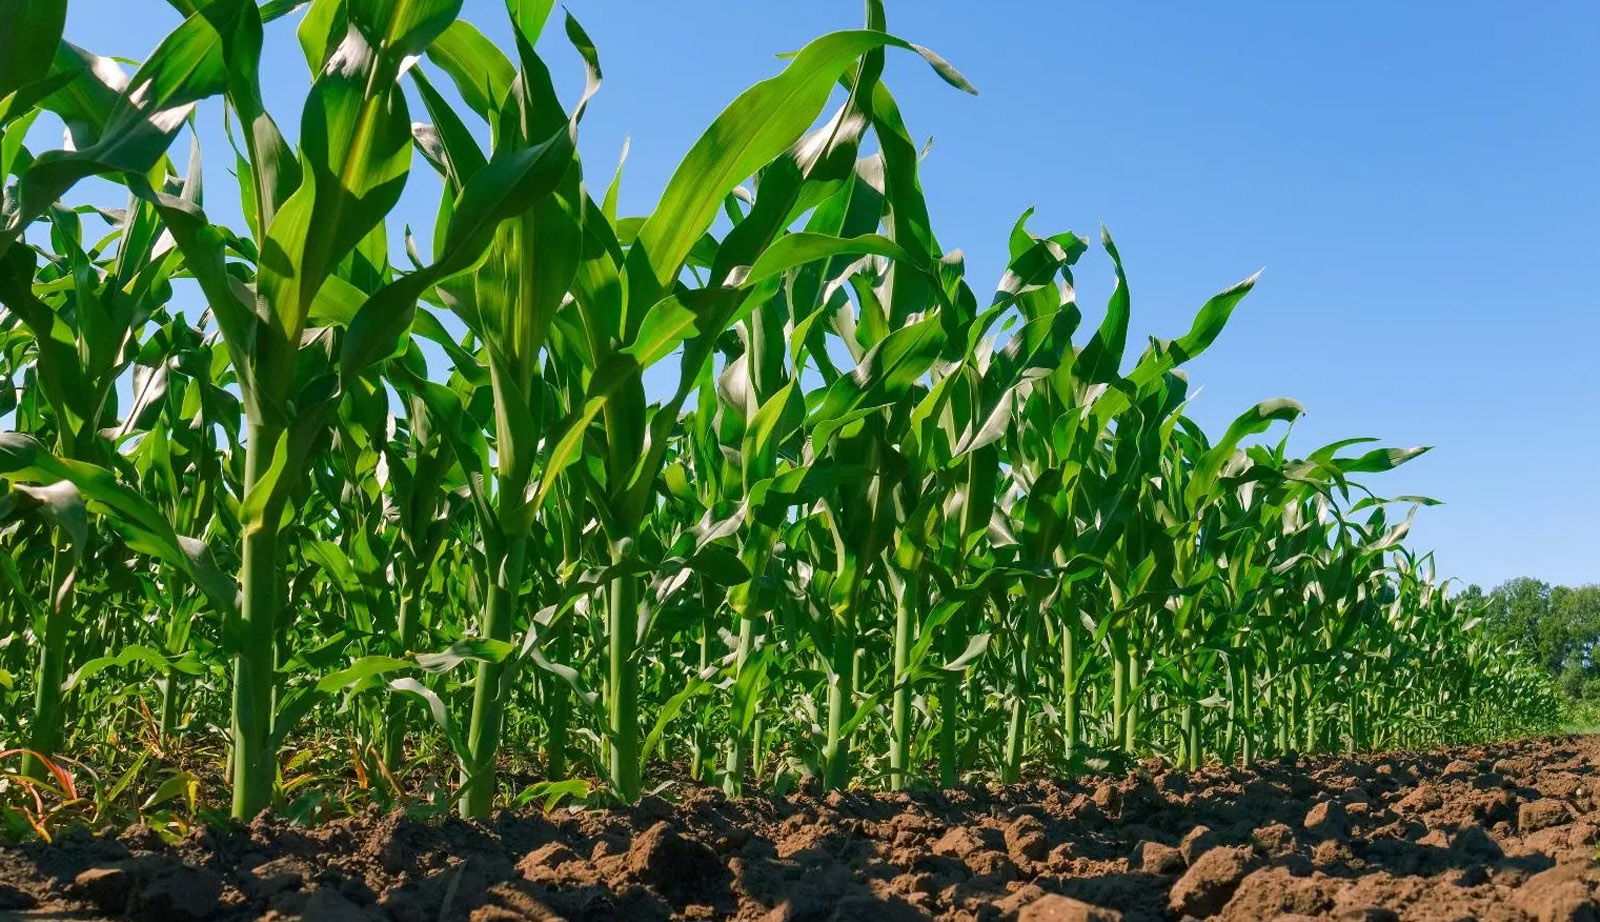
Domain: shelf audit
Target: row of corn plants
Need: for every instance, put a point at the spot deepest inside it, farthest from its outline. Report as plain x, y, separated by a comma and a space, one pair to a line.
322, 475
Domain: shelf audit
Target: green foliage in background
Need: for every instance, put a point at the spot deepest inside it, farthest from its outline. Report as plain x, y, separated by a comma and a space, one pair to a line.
1558, 625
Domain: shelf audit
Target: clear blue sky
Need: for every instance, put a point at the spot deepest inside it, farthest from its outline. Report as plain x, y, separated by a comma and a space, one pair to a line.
1419, 180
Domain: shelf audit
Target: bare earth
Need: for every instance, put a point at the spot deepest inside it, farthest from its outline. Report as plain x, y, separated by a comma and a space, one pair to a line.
1505, 832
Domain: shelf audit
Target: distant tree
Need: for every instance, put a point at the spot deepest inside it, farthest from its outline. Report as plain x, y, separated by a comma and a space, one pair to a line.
1578, 610
1560, 625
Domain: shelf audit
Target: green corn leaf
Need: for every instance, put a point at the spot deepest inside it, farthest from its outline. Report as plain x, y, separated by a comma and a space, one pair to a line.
188, 66
30, 30
151, 659
770, 116
477, 649
360, 671
481, 72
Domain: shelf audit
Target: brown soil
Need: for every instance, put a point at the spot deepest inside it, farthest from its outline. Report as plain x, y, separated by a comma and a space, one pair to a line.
1503, 833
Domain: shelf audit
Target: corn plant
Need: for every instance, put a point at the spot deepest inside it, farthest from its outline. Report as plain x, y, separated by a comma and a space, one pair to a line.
874, 529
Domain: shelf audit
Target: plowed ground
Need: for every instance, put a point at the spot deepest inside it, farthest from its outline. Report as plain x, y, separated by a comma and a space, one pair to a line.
1505, 832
